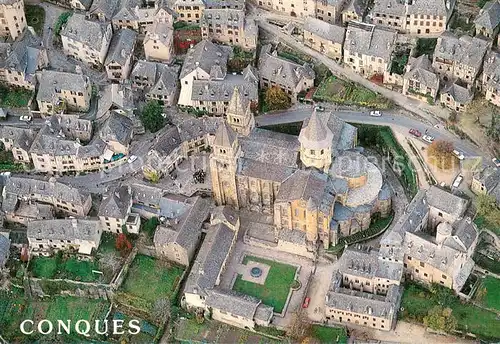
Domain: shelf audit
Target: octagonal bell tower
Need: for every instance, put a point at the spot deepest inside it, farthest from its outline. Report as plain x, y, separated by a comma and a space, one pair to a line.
316, 144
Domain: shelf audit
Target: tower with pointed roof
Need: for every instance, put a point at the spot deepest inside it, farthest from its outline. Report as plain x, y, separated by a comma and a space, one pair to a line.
223, 165
239, 115
316, 144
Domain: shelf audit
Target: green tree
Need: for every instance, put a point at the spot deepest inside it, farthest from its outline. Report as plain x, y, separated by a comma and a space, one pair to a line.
440, 319
151, 175
276, 99
63, 19
151, 116
487, 207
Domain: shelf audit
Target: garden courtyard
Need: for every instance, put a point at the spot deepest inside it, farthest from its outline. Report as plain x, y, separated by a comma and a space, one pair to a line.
149, 280
272, 285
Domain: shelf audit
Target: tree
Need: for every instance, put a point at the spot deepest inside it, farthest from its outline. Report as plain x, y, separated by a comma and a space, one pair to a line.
440, 319
276, 99
151, 175
161, 309
487, 207
300, 327
151, 116
441, 155
123, 245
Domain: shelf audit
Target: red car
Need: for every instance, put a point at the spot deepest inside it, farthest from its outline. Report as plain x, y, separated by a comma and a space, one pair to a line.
415, 132
306, 302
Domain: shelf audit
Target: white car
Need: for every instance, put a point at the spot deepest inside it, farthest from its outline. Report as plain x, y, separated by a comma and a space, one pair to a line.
132, 159
375, 113
25, 118
496, 162
457, 181
459, 154
428, 138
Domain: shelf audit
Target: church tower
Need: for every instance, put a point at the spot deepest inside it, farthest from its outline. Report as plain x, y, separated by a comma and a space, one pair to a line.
239, 115
223, 165
316, 144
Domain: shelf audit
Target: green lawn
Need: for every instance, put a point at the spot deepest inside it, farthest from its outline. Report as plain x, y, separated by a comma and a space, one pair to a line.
15, 309
58, 267
148, 282
329, 334
417, 301
492, 297
35, 17
482, 223
275, 290
14, 97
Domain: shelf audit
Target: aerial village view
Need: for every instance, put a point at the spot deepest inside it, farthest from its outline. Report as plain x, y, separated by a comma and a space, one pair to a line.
249, 171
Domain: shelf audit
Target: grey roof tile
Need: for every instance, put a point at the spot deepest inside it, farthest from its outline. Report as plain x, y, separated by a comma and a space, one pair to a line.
121, 47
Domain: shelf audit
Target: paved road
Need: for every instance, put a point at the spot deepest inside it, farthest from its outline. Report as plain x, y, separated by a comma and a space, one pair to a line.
393, 119
422, 109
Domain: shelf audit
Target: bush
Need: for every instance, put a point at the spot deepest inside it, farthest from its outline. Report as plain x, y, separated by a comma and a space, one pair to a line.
276, 99
151, 116
61, 21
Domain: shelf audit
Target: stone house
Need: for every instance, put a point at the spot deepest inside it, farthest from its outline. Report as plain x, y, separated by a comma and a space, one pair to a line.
86, 40
82, 5
490, 80
119, 59
353, 11
484, 181
18, 141
48, 236
330, 11
115, 211
117, 133
30, 211
159, 43
487, 23
177, 238
419, 80
459, 58
326, 38
19, 61
135, 16
456, 97
63, 197
229, 26
368, 48
157, 80
291, 77
13, 20
189, 11
61, 91
103, 10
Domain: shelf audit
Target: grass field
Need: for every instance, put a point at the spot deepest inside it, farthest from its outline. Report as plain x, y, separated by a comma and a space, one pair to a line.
148, 282
492, 297
329, 334
276, 288
417, 301
13, 310
14, 97
71, 268
35, 17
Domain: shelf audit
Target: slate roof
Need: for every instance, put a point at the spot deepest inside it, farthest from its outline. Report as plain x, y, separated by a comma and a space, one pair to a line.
222, 90
397, 8
430, 7
146, 194
207, 56
489, 16
4, 250
263, 170
446, 201
237, 4
350, 164
167, 142
25, 187
160, 32
90, 33
225, 135
225, 214
233, 302
489, 177
21, 138
369, 40
464, 235
194, 128
23, 54
35, 210
118, 128
116, 202
281, 71
310, 185
51, 80
121, 47
65, 229
238, 103
460, 94
186, 228
332, 33
420, 69
105, 7
164, 78
466, 50
315, 134
211, 256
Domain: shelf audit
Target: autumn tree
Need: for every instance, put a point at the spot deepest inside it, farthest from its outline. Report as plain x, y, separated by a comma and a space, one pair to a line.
440, 319
123, 245
276, 99
151, 175
440, 153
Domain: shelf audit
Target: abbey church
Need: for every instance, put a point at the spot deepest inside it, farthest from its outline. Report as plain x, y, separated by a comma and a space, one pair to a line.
317, 186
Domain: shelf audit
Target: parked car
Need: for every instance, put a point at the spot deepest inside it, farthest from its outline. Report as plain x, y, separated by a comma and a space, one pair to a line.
25, 118
457, 181
132, 159
306, 302
415, 132
459, 154
496, 162
375, 113
319, 108
428, 138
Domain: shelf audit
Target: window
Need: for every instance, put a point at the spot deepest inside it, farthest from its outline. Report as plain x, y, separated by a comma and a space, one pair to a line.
422, 264
440, 214
409, 258
444, 276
